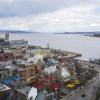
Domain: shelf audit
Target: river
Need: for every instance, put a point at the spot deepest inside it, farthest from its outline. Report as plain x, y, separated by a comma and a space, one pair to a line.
88, 46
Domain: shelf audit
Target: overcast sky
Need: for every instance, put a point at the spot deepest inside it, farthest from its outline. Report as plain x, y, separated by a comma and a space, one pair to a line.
50, 15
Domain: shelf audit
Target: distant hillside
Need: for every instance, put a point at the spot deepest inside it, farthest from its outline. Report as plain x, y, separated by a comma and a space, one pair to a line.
24, 31
15, 31
79, 33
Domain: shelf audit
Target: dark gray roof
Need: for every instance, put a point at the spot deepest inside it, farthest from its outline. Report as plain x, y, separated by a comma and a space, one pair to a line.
41, 96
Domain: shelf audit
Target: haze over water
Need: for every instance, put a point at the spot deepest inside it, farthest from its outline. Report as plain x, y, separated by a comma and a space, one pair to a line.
89, 47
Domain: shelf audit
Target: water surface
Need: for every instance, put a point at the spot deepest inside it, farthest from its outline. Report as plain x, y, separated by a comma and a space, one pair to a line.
89, 47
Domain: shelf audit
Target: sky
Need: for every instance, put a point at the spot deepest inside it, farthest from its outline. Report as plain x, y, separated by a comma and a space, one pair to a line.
50, 15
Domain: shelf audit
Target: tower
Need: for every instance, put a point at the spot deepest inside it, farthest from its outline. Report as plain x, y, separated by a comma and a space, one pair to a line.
48, 45
6, 36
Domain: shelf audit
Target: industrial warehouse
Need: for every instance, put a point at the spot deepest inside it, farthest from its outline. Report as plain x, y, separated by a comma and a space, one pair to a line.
30, 72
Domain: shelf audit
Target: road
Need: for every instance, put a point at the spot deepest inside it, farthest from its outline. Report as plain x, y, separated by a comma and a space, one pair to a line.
88, 89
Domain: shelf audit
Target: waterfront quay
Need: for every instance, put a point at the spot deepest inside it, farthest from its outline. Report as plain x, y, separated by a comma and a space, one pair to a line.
34, 73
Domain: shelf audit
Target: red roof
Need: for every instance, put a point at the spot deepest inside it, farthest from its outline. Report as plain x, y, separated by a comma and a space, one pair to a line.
54, 86
39, 85
6, 56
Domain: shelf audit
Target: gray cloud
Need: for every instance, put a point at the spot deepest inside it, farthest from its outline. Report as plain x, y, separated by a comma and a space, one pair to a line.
12, 8
50, 15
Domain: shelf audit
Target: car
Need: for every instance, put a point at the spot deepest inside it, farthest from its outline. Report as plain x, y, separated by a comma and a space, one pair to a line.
91, 66
83, 95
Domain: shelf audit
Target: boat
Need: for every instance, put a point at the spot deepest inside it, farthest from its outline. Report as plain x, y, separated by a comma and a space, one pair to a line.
95, 61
